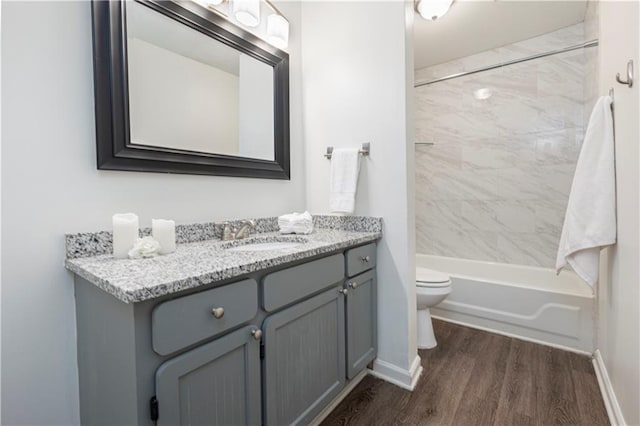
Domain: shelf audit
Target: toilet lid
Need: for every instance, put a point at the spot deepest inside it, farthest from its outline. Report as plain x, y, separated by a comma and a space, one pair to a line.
428, 277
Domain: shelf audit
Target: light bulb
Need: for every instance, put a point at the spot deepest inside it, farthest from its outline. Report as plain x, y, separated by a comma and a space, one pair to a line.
247, 12
209, 3
433, 9
278, 31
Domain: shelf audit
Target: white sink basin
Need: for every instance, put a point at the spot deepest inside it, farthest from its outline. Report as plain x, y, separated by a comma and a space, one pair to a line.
275, 245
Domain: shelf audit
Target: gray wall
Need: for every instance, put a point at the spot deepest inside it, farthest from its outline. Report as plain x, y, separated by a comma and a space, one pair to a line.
50, 186
358, 65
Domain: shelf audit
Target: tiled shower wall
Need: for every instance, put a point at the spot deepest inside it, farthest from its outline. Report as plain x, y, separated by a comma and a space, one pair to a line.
495, 183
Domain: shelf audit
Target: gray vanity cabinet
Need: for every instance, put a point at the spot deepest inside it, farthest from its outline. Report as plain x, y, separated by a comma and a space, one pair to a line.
215, 384
274, 347
304, 366
361, 317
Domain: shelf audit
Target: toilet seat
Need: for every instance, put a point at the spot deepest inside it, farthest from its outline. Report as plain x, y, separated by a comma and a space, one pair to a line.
430, 278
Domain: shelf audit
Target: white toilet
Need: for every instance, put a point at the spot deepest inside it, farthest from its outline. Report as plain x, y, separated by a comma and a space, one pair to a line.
432, 287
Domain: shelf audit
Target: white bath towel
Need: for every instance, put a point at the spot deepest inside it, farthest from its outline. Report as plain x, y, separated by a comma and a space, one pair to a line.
590, 222
345, 167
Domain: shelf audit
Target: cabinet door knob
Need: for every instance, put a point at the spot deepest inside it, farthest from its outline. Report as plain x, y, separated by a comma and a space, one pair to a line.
256, 333
353, 285
217, 312
343, 291
365, 259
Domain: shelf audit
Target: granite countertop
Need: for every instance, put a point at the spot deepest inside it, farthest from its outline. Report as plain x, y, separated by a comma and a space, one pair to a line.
206, 261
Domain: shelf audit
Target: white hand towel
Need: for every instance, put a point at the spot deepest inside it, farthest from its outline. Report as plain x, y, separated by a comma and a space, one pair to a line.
590, 222
345, 167
296, 223
296, 229
291, 218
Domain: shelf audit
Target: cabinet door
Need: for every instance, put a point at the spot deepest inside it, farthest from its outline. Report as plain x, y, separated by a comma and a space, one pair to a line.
214, 384
304, 359
362, 330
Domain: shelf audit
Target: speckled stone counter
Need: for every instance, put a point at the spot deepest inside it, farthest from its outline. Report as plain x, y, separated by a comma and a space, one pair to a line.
207, 259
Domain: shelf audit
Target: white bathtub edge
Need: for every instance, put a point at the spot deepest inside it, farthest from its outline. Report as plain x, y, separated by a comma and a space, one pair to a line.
606, 389
582, 290
514, 336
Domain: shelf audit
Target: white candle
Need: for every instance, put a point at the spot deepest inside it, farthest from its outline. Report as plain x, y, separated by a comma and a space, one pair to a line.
164, 231
125, 234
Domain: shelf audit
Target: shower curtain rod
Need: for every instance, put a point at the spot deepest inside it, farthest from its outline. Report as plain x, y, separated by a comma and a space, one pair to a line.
591, 43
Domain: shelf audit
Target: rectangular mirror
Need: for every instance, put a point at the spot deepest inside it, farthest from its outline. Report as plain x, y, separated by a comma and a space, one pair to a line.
179, 91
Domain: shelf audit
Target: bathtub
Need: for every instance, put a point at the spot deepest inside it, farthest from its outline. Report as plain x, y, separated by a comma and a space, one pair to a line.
525, 302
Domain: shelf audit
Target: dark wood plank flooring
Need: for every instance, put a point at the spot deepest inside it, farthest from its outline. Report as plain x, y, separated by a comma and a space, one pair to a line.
478, 378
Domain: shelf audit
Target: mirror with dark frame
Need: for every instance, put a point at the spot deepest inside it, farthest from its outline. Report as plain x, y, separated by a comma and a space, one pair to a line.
179, 89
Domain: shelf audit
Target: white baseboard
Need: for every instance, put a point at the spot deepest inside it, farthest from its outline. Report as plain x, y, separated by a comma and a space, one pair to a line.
406, 379
608, 395
338, 399
514, 336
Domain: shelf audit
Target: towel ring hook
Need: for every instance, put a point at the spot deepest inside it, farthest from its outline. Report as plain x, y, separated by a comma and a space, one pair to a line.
629, 81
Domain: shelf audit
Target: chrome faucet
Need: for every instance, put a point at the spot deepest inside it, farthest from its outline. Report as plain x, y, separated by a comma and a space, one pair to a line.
233, 233
246, 226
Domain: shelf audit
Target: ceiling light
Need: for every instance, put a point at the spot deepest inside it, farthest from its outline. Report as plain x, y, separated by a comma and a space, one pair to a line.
433, 9
278, 31
247, 12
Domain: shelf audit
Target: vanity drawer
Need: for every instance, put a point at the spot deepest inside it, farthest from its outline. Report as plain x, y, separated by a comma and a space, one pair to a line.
360, 259
181, 322
284, 287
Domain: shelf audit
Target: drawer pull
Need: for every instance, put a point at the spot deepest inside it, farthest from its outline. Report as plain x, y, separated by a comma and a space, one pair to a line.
353, 285
256, 333
365, 259
217, 312
343, 291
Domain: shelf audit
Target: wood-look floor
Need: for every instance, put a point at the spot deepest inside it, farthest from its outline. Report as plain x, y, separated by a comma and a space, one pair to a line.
479, 378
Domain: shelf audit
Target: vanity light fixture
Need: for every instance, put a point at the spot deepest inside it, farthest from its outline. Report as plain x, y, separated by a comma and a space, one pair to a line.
277, 28
247, 12
433, 9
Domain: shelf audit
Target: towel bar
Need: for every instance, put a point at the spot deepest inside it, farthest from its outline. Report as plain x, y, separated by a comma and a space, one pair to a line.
364, 151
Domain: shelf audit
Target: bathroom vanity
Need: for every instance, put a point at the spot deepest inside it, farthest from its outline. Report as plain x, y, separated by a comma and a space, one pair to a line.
240, 332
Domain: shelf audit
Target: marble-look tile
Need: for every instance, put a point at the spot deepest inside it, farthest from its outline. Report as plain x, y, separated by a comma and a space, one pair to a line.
533, 249
558, 112
497, 154
496, 183
559, 147
441, 156
516, 216
549, 215
479, 216
477, 245
565, 71
464, 185
556, 179
439, 214
424, 244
